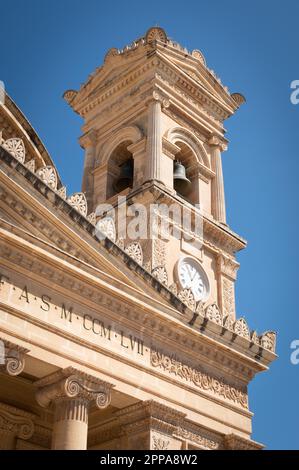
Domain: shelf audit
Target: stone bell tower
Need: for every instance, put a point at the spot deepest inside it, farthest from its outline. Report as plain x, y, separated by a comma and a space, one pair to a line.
153, 131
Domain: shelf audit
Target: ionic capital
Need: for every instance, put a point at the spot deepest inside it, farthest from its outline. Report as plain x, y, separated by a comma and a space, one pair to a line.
12, 357
17, 422
158, 96
71, 383
214, 141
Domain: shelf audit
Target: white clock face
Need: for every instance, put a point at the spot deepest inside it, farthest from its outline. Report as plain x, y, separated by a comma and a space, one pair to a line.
192, 276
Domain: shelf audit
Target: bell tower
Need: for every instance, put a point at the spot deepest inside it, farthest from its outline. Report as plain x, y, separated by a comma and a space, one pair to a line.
153, 134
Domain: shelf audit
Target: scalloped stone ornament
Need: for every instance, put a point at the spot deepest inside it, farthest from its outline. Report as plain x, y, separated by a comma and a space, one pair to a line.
156, 34
92, 218
69, 95
187, 298
160, 273
107, 227
48, 175
16, 148
30, 165
238, 98
174, 288
255, 338
78, 201
197, 54
228, 323
200, 308
134, 250
62, 192
241, 328
268, 340
213, 313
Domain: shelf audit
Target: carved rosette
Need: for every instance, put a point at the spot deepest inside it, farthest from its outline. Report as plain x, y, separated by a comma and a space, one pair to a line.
78, 201
159, 443
48, 175
187, 298
12, 357
268, 340
160, 273
213, 313
241, 328
16, 148
107, 227
73, 384
134, 250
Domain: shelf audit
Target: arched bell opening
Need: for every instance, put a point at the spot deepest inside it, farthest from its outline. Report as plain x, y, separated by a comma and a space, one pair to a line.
120, 169
184, 181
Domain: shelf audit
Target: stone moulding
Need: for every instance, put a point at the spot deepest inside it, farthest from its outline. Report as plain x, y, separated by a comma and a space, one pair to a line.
203, 381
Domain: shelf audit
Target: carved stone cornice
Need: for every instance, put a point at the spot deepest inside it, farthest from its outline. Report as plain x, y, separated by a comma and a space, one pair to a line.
16, 421
13, 360
235, 442
73, 384
194, 433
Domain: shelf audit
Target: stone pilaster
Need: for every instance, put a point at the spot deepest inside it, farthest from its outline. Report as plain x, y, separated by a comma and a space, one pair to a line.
12, 357
226, 276
14, 424
71, 393
218, 198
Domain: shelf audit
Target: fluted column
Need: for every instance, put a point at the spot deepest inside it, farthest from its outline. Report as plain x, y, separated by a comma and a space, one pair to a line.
218, 198
71, 393
154, 138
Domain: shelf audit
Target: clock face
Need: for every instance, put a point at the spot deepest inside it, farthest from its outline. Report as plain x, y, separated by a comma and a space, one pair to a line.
192, 276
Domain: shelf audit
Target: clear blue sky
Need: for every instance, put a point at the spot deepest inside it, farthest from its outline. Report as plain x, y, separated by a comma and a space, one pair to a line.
48, 46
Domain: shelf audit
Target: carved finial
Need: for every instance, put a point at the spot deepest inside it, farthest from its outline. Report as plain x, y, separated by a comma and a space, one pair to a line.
241, 328
16, 148
156, 34
238, 98
69, 95
199, 56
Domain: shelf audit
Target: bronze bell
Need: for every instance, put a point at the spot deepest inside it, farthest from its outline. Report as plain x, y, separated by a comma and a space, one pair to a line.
125, 178
180, 182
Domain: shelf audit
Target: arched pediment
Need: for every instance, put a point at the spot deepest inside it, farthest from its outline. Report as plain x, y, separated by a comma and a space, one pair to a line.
180, 134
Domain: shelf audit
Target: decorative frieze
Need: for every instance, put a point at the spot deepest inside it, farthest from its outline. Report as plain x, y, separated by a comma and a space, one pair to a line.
14, 423
201, 380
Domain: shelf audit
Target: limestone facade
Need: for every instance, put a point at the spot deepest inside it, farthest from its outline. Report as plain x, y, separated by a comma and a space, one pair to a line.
101, 344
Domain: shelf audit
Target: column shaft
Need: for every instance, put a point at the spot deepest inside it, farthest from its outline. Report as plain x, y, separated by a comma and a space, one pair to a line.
218, 198
154, 141
70, 424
